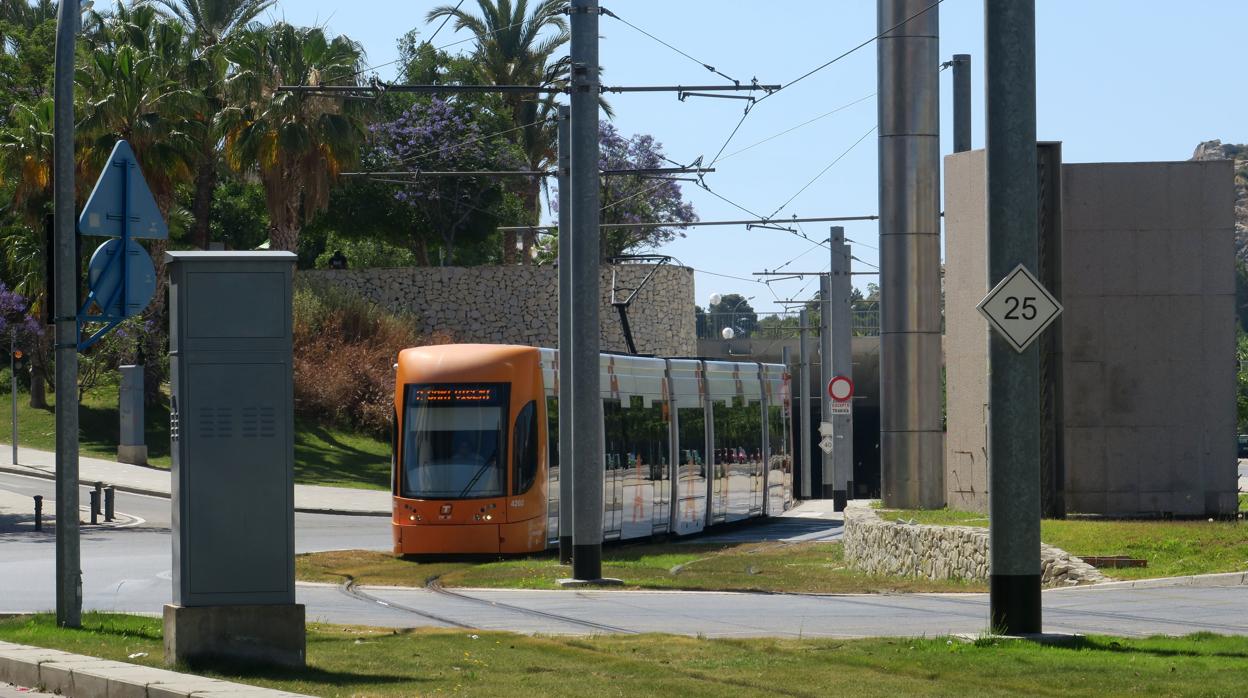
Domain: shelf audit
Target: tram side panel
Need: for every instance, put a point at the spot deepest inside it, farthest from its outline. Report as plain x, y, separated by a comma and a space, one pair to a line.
779, 475
688, 424
550, 389
636, 445
735, 401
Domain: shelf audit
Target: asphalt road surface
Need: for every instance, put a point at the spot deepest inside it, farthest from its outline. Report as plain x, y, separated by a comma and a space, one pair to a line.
128, 569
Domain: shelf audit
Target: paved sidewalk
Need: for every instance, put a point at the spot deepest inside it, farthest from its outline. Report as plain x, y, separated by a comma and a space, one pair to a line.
78, 676
156, 482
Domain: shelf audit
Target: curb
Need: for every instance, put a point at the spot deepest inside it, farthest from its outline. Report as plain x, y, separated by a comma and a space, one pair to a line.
1222, 579
45, 475
78, 676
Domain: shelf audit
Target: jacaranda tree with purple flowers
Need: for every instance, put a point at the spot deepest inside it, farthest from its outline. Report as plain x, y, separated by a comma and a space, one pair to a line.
637, 199
442, 136
16, 324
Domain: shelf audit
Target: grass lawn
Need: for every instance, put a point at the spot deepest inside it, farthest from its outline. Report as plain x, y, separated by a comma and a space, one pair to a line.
801, 568
355, 661
323, 456
1172, 548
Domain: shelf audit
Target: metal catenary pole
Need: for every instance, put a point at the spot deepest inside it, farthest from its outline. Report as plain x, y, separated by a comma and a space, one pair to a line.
842, 364
911, 438
68, 559
587, 454
1014, 378
804, 398
961, 102
828, 480
566, 380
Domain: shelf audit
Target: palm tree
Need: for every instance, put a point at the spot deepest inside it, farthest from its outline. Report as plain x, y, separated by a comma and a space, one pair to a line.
210, 23
296, 142
26, 159
511, 51
213, 21
133, 86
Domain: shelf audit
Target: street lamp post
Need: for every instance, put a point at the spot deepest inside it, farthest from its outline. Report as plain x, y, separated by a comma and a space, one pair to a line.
731, 330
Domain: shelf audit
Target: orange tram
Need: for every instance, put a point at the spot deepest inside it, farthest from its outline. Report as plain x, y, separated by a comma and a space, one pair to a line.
689, 444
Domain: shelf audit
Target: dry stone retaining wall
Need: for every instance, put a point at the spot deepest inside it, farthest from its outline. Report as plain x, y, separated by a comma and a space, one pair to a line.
876, 546
519, 304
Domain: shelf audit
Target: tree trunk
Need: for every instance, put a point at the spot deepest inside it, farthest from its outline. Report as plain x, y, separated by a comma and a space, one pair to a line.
509, 247
38, 389
157, 315
422, 252
284, 237
531, 197
201, 206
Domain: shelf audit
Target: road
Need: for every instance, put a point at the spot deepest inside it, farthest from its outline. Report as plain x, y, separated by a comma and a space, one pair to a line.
128, 569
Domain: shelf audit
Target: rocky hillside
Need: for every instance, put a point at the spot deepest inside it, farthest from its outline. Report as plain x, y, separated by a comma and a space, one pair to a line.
1217, 150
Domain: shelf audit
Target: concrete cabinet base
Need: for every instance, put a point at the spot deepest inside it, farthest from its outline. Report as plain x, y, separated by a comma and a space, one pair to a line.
268, 634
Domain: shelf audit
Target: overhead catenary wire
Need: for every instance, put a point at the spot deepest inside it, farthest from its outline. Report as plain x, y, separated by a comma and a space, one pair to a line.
823, 171
787, 85
794, 128
704, 64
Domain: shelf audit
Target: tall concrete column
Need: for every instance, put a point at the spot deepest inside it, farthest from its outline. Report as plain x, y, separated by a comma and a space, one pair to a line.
911, 456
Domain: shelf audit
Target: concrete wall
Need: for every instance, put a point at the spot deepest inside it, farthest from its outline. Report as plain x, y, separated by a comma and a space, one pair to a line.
1148, 337
966, 339
519, 305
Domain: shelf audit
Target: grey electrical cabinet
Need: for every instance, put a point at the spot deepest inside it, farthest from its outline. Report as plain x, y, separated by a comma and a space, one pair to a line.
231, 428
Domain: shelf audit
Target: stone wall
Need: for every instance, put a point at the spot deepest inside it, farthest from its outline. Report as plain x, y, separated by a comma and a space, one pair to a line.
903, 549
519, 305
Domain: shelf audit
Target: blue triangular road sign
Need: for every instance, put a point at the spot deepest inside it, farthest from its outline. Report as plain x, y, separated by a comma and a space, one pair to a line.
122, 179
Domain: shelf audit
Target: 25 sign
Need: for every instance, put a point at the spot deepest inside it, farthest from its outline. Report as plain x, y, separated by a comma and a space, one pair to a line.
1019, 308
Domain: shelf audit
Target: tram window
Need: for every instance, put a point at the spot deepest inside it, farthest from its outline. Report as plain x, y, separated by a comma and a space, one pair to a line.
394, 451
613, 433
524, 451
454, 441
692, 436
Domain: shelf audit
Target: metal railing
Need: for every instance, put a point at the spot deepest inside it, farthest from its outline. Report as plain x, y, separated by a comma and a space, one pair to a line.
865, 318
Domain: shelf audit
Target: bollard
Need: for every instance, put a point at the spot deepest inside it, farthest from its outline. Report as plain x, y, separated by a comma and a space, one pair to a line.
110, 501
38, 512
95, 506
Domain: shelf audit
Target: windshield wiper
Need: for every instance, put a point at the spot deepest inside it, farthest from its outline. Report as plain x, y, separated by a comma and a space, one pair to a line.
480, 471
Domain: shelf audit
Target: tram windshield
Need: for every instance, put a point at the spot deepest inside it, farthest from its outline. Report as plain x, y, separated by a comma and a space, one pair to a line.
453, 441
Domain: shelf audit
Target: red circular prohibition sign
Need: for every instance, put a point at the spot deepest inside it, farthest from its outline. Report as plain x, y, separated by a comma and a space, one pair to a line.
841, 388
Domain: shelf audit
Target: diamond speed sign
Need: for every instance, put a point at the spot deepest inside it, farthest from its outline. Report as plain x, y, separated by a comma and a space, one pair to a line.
1019, 308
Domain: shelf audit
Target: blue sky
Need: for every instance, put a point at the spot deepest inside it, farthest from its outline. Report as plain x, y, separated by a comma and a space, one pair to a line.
1117, 80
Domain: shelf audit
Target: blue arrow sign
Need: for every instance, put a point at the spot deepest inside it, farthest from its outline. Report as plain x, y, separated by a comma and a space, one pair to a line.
121, 205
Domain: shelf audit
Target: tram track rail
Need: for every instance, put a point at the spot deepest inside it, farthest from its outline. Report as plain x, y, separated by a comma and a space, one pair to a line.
435, 586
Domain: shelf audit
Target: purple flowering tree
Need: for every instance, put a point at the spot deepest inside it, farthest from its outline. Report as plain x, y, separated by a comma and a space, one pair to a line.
439, 136
628, 199
636, 199
16, 324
